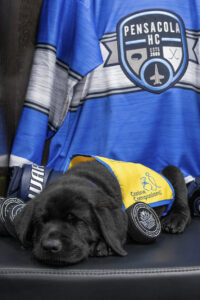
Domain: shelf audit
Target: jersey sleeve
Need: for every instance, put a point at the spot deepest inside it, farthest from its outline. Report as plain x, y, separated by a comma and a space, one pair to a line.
67, 50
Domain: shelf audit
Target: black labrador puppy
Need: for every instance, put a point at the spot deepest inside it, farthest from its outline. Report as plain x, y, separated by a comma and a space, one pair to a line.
80, 215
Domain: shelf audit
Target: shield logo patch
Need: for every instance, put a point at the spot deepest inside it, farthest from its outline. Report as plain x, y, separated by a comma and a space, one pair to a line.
152, 49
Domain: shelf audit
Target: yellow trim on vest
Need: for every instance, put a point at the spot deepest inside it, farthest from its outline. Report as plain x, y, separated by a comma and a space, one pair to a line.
137, 182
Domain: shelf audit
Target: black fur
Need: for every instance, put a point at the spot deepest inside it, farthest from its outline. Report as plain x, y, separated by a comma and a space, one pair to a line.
80, 215
179, 216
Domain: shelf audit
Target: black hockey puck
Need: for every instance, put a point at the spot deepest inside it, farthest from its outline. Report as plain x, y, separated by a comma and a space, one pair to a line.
143, 223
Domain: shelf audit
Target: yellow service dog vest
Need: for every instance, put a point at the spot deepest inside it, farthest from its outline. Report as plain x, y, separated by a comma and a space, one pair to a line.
137, 182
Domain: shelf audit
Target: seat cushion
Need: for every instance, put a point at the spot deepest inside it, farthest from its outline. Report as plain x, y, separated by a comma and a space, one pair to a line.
166, 269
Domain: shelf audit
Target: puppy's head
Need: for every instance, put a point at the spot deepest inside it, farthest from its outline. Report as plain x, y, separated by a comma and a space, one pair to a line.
63, 224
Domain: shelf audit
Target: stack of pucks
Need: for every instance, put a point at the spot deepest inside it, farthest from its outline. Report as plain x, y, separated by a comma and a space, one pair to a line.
143, 223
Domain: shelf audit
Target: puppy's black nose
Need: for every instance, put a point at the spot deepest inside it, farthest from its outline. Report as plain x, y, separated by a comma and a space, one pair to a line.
52, 245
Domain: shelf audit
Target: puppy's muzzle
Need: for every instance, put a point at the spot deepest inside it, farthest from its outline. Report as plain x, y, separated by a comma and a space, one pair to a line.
51, 239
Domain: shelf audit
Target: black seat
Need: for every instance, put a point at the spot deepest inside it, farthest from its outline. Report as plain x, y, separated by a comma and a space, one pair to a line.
166, 269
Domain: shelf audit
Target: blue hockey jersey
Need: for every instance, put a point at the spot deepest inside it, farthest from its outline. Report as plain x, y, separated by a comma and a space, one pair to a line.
118, 79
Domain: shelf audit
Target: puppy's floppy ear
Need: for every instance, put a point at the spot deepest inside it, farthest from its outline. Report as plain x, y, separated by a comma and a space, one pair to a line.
113, 232
23, 224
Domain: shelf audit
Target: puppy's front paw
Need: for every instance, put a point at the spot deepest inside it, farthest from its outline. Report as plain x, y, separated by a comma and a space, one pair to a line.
102, 249
175, 222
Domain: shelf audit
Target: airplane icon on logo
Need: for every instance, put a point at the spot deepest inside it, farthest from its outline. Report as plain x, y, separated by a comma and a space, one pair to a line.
157, 76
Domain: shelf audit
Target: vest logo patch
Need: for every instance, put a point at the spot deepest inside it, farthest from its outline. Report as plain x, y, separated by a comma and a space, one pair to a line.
148, 182
152, 49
